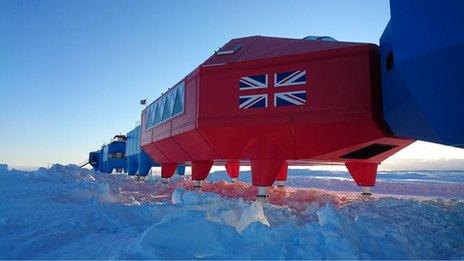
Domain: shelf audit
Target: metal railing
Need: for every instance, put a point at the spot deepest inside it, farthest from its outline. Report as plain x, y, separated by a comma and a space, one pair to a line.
83, 163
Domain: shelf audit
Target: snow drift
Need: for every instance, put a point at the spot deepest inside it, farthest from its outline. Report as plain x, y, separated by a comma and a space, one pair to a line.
69, 213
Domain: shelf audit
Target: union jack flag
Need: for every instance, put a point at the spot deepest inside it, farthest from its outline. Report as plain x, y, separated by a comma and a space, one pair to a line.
253, 82
286, 98
253, 101
290, 98
290, 78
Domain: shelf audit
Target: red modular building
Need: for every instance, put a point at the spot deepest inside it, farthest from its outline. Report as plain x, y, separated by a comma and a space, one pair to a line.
270, 102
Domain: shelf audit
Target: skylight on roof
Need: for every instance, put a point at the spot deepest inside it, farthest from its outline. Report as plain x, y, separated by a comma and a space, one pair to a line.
228, 50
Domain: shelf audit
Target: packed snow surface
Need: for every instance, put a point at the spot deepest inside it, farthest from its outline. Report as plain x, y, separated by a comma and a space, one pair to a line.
69, 213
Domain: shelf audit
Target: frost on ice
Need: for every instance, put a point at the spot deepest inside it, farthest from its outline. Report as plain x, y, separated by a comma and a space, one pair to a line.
238, 214
68, 213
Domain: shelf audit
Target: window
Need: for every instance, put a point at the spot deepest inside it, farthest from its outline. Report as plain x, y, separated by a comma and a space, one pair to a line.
228, 50
168, 106
179, 103
117, 155
93, 158
389, 62
158, 112
320, 38
105, 153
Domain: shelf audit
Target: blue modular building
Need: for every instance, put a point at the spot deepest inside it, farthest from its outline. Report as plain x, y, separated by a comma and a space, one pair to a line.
124, 153
96, 159
111, 156
137, 161
421, 54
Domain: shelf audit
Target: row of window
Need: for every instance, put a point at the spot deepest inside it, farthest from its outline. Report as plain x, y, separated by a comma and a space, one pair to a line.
117, 155
133, 142
169, 105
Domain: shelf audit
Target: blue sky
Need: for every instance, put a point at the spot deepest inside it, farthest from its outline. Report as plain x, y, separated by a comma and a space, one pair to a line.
72, 72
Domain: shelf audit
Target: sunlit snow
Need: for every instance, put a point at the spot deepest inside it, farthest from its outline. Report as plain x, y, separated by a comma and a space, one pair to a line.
69, 213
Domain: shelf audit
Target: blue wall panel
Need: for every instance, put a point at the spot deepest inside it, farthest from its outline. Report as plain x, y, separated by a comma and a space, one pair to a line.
422, 51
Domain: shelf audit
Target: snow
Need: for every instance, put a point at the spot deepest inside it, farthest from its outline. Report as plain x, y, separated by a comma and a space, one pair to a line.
69, 213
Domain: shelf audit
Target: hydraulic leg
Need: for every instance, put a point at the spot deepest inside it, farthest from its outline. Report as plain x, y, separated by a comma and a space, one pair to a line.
263, 174
200, 170
282, 175
139, 178
144, 164
132, 167
167, 171
364, 174
181, 170
366, 191
233, 169
144, 169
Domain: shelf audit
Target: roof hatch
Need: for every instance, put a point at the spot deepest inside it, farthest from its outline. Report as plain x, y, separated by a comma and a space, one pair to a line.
228, 49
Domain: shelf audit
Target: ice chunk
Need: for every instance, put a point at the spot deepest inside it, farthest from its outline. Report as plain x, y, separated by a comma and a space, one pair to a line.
183, 237
254, 213
176, 197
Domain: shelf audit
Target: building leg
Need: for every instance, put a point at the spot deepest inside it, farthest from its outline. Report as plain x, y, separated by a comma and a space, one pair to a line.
200, 171
132, 167
263, 174
364, 174
167, 171
233, 170
282, 175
